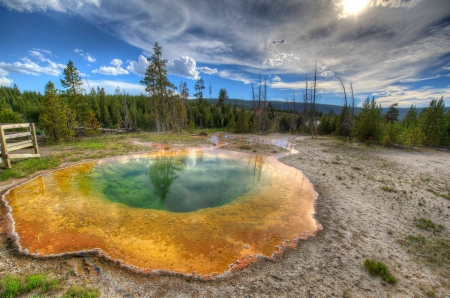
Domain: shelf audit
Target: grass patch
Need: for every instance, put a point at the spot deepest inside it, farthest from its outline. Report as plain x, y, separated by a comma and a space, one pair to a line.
433, 251
378, 268
416, 240
439, 194
388, 189
426, 224
22, 168
79, 292
14, 286
10, 286
356, 168
245, 147
163, 137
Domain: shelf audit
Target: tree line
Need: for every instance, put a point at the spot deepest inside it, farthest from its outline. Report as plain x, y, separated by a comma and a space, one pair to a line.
431, 127
64, 113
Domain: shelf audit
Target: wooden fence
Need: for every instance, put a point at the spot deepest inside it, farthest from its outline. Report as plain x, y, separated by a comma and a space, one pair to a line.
26, 139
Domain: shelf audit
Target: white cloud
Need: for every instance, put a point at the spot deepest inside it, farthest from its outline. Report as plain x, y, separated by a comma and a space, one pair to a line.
5, 82
395, 3
110, 86
232, 75
405, 97
32, 68
114, 70
207, 70
285, 85
56, 5
413, 80
3, 73
86, 56
139, 67
183, 66
276, 78
116, 63
327, 74
273, 62
90, 58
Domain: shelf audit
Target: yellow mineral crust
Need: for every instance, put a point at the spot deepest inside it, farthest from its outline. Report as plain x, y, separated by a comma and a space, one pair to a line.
50, 218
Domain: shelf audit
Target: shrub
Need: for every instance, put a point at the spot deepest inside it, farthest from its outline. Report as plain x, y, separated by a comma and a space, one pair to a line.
378, 268
426, 224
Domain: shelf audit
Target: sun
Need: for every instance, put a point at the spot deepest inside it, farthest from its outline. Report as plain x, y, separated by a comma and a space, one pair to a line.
354, 6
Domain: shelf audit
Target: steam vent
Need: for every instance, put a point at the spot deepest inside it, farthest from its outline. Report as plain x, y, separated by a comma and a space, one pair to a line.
184, 211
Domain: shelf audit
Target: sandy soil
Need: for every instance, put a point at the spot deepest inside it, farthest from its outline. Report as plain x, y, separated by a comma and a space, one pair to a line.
369, 199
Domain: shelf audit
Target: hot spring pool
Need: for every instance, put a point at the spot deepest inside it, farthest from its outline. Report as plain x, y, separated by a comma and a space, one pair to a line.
185, 211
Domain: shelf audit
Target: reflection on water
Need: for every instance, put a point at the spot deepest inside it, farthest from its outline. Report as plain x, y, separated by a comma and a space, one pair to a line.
173, 181
72, 210
163, 171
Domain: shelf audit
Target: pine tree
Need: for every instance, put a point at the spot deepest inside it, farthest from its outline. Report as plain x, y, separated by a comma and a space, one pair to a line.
104, 111
54, 118
161, 91
77, 102
367, 124
223, 96
411, 135
199, 86
411, 118
72, 80
433, 123
392, 113
242, 123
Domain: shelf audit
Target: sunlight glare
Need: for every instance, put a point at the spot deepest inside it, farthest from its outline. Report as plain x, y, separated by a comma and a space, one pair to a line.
354, 6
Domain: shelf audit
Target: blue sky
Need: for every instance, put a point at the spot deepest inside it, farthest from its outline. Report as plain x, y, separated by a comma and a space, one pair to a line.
397, 50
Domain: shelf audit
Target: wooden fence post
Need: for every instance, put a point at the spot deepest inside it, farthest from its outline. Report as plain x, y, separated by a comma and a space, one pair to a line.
4, 148
33, 137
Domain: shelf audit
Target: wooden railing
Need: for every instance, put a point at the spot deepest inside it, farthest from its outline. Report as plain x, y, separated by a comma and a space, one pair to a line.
27, 139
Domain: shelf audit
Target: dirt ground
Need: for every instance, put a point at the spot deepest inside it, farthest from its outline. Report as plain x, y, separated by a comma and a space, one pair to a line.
370, 199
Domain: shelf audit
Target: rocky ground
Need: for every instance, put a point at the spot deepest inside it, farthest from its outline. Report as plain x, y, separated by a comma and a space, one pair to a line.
371, 202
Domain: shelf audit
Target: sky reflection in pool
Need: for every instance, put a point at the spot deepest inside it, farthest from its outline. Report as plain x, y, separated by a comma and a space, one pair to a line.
148, 214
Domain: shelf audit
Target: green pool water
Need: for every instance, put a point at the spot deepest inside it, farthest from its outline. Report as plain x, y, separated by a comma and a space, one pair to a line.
177, 183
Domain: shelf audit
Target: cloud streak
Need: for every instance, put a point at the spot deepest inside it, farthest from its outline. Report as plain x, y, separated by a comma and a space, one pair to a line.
389, 43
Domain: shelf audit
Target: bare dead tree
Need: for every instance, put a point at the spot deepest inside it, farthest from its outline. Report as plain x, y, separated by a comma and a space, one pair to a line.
264, 114
293, 116
353, 112
253, 99
305, 105
344, 113
313, 105
126, 121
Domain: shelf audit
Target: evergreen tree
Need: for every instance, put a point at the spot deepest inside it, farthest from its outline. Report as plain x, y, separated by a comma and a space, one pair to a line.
54, 118
77, 102
447, 133
392, 113
223, 96
242, 123
160, 90
367, 124
433, 123
199, 86
411, 135
72, 80
105, 118
411, 118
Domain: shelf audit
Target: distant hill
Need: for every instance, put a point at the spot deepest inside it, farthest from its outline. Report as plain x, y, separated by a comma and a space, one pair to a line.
281, 105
